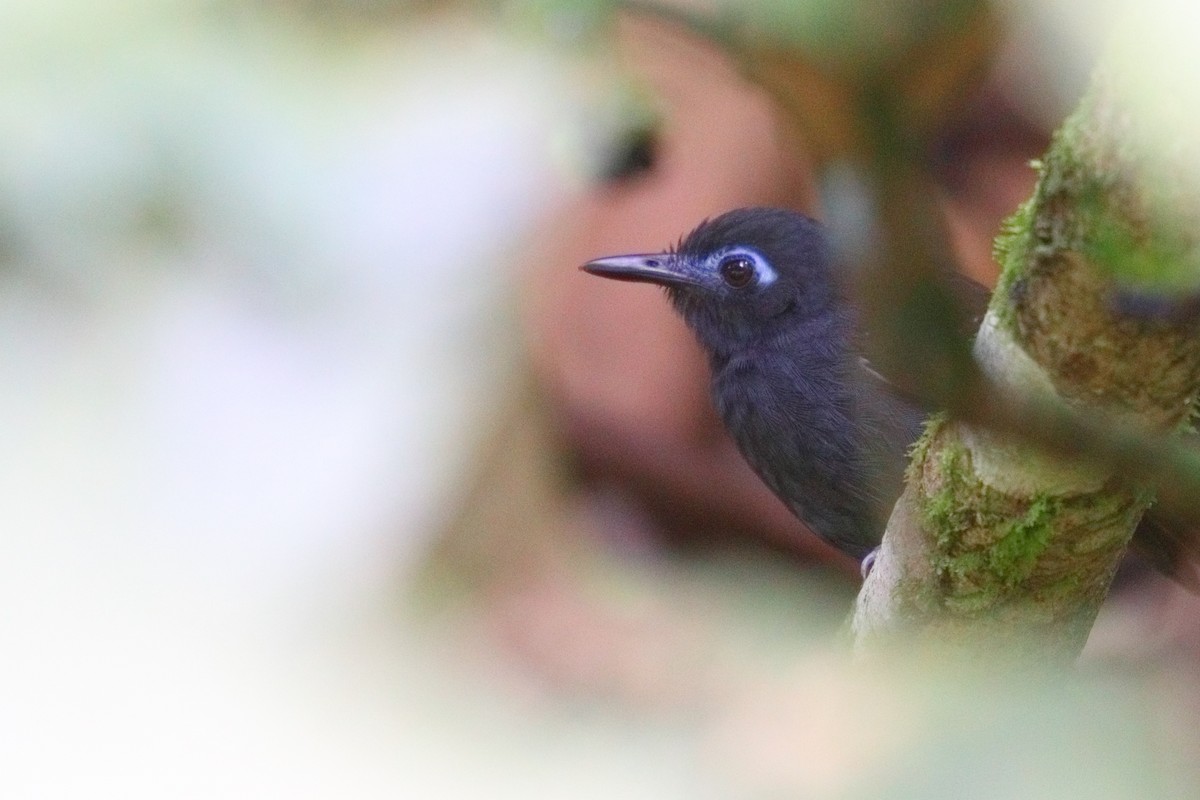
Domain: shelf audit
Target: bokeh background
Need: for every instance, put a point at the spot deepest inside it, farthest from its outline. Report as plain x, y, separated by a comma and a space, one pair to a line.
325, 473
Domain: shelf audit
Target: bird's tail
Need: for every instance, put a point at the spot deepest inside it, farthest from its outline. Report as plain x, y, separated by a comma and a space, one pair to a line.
1170, 545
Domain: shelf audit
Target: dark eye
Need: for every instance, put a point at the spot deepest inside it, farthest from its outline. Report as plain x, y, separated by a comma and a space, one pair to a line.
737, 271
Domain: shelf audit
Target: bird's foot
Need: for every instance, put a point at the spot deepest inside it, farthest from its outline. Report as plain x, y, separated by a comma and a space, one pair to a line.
867, 563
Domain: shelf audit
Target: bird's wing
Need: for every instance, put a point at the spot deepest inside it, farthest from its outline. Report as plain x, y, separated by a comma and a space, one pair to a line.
972, 299
1170, 545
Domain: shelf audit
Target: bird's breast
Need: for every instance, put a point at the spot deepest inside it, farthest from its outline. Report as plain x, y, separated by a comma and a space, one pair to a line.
795, 427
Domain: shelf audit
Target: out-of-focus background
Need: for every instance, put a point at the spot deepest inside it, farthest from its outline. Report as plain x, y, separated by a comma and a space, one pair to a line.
324, 472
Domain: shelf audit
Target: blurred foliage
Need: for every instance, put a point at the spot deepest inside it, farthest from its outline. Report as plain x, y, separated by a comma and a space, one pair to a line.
845, 74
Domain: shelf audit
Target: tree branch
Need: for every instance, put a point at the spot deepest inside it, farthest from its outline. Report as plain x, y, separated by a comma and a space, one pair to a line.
993, 535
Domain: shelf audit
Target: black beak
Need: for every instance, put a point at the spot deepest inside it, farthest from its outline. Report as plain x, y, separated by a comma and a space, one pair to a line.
661, 268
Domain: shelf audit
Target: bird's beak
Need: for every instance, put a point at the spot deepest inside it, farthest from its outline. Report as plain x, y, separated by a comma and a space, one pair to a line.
661, 268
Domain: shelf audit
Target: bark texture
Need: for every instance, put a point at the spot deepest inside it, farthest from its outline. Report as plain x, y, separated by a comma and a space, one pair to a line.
992, 540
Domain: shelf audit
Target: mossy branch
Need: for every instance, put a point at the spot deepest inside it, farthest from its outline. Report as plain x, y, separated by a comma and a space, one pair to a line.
994, 540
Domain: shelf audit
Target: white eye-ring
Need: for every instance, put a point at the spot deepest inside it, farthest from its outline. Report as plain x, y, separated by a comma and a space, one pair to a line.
741, 267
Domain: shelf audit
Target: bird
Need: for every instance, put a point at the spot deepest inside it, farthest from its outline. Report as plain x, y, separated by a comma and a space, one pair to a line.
818, 424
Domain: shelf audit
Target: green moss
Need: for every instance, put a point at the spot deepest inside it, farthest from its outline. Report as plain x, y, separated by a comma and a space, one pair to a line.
1013, 230
1010, 250
1161, 261
1042, 224
918, 451
962, 517
1105, 197
1013, 557
945, 512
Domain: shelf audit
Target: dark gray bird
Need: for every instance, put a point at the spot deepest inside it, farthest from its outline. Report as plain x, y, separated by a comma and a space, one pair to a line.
818, 425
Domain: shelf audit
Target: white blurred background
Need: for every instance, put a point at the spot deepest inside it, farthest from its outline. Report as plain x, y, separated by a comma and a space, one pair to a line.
253, 298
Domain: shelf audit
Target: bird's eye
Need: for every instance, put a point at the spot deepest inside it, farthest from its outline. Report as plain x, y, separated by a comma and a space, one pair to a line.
737, 271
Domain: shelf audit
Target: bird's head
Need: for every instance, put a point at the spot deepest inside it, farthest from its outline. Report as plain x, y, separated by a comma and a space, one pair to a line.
748, 273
